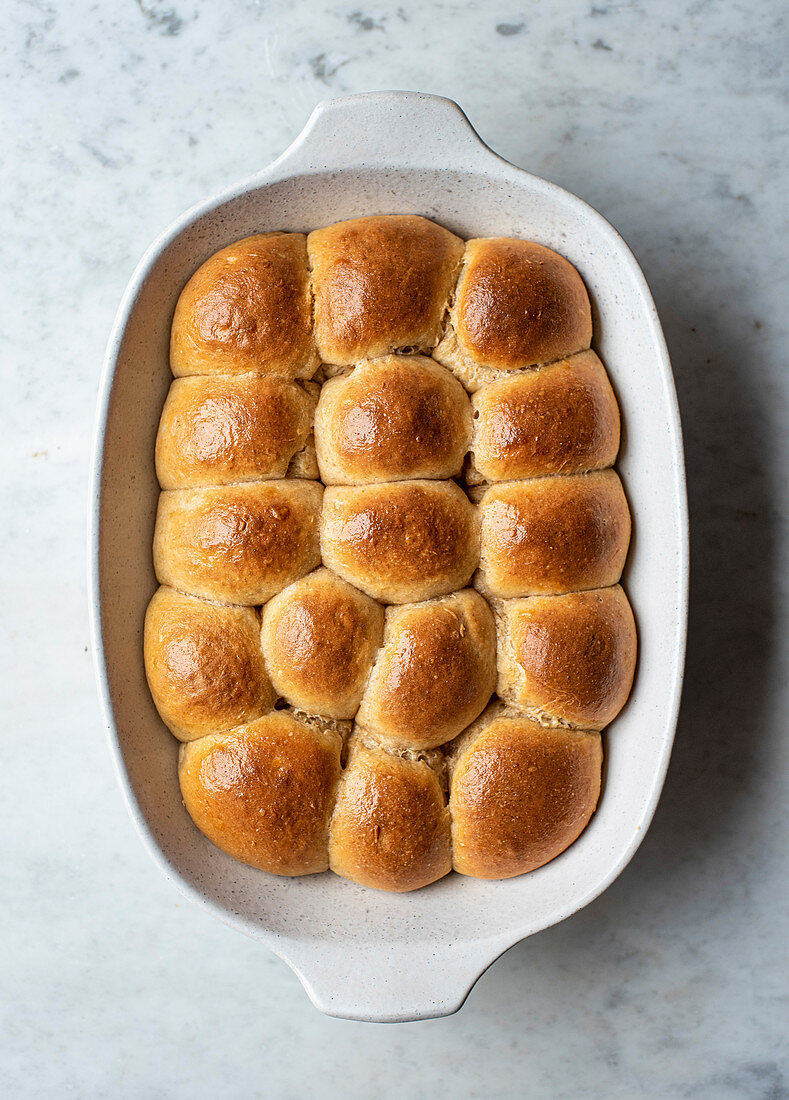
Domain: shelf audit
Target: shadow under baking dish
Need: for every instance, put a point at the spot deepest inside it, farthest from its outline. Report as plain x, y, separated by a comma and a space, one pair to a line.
360, 953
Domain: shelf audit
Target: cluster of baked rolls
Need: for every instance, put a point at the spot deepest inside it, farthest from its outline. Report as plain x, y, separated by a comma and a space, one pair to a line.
389, 629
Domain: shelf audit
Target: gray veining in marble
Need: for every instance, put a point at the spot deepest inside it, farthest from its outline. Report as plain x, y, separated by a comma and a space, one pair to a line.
671, 119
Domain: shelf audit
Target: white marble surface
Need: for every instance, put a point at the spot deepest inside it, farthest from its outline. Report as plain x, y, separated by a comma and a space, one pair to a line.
671, 119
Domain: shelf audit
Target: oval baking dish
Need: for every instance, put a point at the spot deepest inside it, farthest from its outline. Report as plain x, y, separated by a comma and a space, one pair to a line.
362, 954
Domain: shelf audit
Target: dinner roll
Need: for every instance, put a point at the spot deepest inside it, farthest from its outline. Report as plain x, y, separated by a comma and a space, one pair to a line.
435, 673
390, 828
517, 304
237, 543
247, 309
567, 659
553, 535
519, 793
559, 419
264, 793
320, 637
204, 664
219, 430
401, 541
392, 418
381, 284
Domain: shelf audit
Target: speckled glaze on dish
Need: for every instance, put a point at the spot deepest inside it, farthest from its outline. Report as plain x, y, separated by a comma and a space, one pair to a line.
361, 954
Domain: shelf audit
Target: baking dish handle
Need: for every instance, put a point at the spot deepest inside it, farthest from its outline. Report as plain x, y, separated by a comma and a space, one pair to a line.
390, 983
385, 129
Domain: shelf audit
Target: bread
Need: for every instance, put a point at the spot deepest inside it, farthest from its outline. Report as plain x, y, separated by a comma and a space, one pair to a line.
567, 660
392, 418
552, 535
390, 829
248, 309
237, 543
219, 430
389, 540
520, 794
320, 637
517, 304
204, 665
562, 419
401, 541
381, 285
264, 793
435, 672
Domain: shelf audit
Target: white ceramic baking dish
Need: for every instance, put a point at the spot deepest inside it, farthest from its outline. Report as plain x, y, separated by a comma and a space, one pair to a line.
362, 954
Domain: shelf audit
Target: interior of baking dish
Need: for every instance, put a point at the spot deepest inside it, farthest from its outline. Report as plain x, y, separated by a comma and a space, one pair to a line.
330, 495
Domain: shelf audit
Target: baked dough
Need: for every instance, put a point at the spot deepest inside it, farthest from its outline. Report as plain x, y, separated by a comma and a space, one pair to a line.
392, 418
381, 284
520, 793
389, 540
248, 309
390, 828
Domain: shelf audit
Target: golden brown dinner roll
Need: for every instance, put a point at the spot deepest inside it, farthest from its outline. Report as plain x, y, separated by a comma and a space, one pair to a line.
219, 430
392, 418
204, 664
390, 828
237, 543
552, 535
559, 419
401, 541
381, 284
435, 673
567, 659
517, 304
264, 793
519, 793
320, 637
247, 309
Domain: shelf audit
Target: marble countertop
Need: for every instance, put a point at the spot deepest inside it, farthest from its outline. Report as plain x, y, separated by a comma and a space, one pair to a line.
670, 119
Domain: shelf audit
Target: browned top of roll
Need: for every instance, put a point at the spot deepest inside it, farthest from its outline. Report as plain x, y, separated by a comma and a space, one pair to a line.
390, 828
571, 657
380, 284
553, 535
435, 673
560, 419
391, 418
320, 637
520, 794
219, 430
248, 308
237, 543
264, 793
204, 664
401, 541
519, 303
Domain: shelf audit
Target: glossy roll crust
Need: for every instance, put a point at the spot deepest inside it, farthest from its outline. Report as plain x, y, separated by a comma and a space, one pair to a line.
215, 431
417, 659
320, 637
392, 418
238, 543
401, 541
390, 828
553, 534
517, 304
520, 794
435, 672
204, 665
561, 419
264, 793
381, 285
248, 309
567, 659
